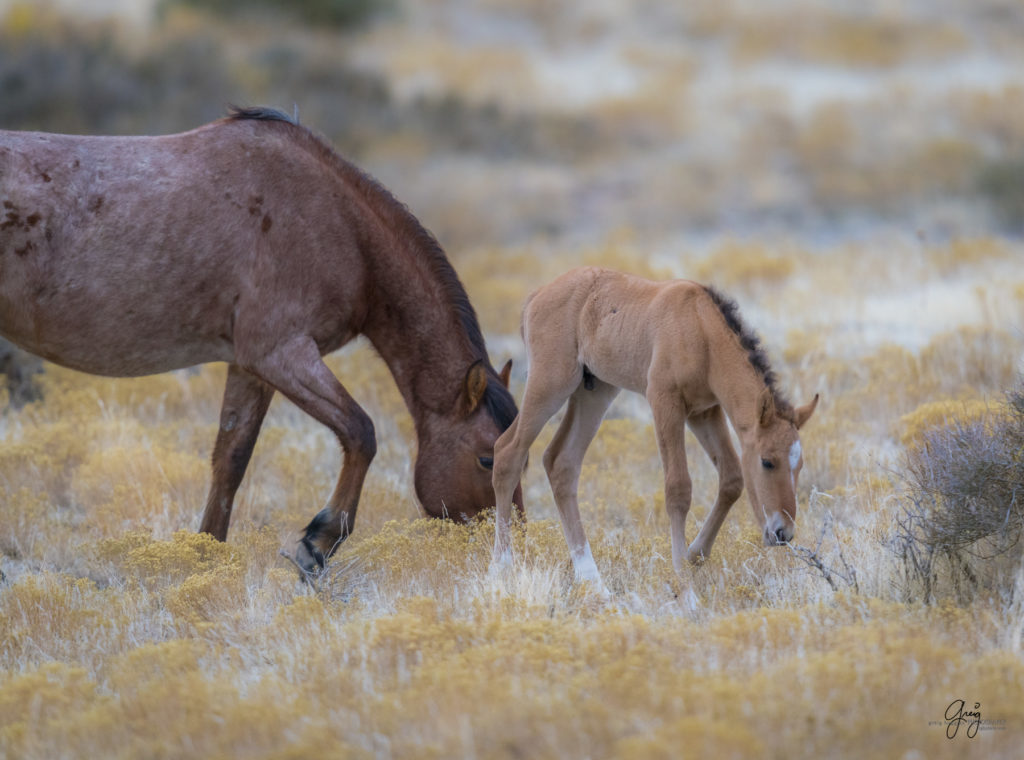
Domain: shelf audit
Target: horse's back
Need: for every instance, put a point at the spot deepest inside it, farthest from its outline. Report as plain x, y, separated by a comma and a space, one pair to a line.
133, 255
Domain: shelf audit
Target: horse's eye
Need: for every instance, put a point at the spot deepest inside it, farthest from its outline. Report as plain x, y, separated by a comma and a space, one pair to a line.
487, 463
767, 465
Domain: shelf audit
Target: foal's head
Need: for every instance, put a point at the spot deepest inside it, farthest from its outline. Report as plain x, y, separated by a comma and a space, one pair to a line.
456, 455
771, 465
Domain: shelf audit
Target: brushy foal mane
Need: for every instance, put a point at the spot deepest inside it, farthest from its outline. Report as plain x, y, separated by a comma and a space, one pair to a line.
497, 399
751, 343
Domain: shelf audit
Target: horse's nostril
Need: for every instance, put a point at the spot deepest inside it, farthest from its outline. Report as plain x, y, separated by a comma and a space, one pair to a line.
780, 536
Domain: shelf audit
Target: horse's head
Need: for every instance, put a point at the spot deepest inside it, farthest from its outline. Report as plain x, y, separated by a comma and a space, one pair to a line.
772, 460
456, 451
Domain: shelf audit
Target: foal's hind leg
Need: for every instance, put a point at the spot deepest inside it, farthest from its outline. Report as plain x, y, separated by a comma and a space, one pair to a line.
547, 388
713, 433
563, 460
297, 370
246, 399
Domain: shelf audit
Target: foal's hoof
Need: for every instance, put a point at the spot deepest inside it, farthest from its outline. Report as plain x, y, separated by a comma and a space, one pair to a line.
696, 558
500, 564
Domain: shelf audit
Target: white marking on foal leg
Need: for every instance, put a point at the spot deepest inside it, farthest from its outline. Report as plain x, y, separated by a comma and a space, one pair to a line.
501, 562
586, 569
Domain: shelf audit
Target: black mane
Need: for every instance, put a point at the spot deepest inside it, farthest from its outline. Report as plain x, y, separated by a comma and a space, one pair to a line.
751, 343
258, 113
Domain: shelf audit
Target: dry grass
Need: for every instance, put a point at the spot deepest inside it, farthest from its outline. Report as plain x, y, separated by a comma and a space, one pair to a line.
125, 634
862, 226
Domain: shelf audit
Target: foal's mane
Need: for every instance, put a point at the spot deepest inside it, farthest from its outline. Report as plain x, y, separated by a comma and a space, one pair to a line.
497, 399
751, 343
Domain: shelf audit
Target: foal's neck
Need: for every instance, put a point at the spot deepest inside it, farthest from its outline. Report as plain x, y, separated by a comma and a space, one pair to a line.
738, 388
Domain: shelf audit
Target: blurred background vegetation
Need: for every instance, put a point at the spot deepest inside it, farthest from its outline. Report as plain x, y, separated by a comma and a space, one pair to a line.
823, 121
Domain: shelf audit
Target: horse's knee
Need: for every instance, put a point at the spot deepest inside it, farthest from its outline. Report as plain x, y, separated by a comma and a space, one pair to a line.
550, 461
730, 488
678, 494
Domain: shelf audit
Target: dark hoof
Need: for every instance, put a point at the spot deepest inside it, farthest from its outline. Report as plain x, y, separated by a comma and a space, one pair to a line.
308, 560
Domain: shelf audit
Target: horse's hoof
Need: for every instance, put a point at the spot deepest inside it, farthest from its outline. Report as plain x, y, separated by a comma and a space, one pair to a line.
308, 560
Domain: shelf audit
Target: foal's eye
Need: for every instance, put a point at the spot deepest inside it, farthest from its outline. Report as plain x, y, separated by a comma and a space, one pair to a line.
767, 464
487, 462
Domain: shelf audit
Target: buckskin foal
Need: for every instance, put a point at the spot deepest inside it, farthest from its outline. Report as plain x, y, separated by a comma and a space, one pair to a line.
593, 331
249, 241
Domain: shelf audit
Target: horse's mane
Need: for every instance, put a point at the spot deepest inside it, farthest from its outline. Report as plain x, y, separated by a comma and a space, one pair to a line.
497, 399
751, 343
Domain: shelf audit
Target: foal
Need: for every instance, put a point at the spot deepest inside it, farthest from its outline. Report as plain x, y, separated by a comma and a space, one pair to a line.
593, 331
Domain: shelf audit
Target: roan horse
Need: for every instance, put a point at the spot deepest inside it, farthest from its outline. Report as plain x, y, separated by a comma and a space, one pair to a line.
250, 241
683, 346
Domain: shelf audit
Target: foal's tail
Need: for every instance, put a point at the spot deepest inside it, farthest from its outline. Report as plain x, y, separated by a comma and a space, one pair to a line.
522, 314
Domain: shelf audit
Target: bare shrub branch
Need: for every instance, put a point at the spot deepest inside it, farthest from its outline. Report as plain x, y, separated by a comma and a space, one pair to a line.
963, 515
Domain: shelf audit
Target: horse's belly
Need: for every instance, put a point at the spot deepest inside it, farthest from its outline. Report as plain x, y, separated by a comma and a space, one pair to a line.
119, 359
87, 338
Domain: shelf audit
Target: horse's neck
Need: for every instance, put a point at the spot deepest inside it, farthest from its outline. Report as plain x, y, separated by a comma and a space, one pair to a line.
417, 332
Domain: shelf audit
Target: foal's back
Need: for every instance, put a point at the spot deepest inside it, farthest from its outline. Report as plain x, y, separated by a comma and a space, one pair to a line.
617, 325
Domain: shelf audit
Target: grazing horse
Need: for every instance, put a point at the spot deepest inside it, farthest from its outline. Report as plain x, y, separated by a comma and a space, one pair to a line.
250, 241
593, 331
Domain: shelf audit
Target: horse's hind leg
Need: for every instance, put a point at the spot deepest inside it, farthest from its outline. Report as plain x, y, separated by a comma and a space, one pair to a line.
563, 460
297, 370
713, 433
246, 399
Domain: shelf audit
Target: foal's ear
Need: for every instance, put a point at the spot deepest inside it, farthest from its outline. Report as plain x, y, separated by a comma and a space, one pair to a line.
803, 413
766, 407
506, 373
474, 386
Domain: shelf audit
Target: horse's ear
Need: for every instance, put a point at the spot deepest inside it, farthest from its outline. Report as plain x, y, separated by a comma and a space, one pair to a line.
803, 413
506, 373
766, 407
474, 386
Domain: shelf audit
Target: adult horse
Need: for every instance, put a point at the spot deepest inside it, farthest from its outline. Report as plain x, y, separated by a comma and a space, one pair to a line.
249, 241
593, 331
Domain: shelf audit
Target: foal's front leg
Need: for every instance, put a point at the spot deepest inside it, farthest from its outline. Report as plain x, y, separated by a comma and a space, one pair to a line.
712, 431
670, 429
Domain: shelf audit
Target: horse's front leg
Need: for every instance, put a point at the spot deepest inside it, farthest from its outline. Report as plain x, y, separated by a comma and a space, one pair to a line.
297, 370
246, 399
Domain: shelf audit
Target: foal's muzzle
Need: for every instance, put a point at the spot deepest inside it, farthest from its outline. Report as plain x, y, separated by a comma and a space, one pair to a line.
777, 532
